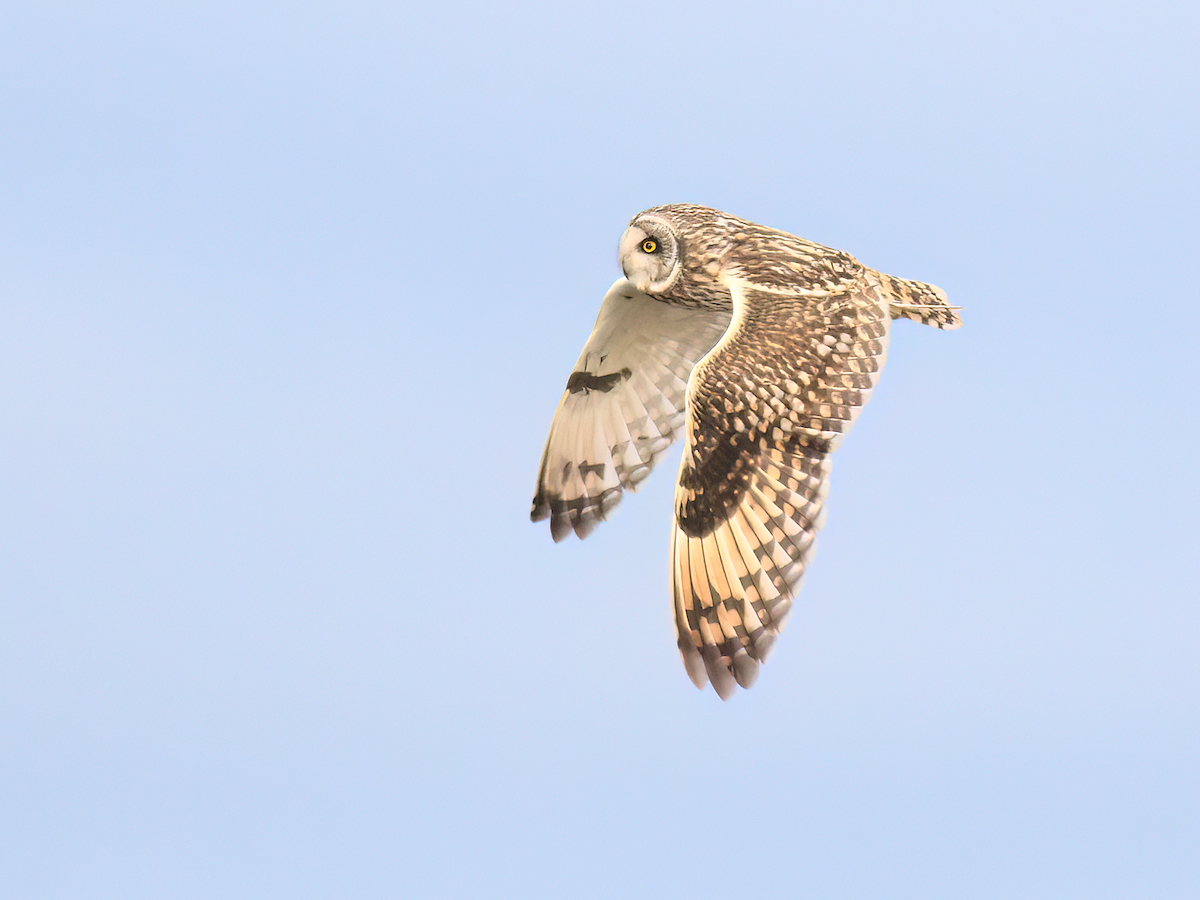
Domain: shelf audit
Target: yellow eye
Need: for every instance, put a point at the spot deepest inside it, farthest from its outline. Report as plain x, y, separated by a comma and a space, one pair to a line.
649, 246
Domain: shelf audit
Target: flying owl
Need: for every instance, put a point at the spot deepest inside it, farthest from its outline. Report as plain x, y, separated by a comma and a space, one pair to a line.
761, 347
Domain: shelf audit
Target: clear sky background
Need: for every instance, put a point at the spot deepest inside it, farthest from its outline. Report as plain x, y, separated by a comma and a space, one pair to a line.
288, 295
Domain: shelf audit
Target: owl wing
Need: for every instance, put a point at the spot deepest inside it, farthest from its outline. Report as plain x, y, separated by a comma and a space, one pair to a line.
766, 408
622, 407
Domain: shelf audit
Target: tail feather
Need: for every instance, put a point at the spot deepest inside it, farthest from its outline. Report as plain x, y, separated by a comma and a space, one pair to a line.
920, 302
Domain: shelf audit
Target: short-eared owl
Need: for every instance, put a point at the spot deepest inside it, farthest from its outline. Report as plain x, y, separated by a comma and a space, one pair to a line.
765, 346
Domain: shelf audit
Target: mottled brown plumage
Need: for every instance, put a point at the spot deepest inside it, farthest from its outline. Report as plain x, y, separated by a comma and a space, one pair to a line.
767, 392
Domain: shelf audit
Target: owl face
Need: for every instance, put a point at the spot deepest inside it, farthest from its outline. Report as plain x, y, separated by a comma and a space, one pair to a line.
649, 254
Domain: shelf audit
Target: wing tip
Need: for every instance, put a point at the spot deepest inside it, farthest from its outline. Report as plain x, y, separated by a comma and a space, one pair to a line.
745, 668
580, 516
692, 662
719, 675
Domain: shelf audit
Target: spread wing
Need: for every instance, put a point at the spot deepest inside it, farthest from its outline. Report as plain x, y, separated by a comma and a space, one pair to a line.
622, 407
766, 408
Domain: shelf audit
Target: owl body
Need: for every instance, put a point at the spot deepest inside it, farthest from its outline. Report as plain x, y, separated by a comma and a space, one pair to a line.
761, 348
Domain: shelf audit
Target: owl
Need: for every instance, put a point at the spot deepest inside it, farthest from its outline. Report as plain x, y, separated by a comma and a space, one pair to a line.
760, 348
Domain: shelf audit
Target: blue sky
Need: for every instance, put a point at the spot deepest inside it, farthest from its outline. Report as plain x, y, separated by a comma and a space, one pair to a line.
289, 294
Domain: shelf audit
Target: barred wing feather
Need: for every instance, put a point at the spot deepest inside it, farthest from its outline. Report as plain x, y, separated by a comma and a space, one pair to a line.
622, 407
766, 408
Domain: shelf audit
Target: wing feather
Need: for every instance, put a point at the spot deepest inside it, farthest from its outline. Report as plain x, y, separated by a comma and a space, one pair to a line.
623, 405
765, 408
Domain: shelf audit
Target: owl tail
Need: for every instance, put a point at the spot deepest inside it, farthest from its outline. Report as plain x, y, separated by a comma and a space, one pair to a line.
920, 302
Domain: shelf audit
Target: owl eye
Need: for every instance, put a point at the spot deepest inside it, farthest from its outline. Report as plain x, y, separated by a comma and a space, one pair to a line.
649, 246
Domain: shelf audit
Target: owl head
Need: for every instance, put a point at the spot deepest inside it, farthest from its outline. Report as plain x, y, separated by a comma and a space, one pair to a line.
650, 253
675, 253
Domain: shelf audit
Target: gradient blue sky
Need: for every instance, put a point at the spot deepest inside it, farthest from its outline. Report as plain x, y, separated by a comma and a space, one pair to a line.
288, 296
